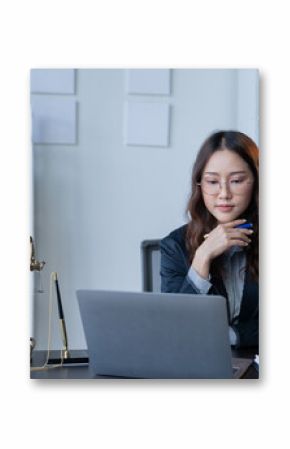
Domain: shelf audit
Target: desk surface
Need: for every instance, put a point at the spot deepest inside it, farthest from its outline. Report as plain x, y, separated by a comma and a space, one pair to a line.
84, 372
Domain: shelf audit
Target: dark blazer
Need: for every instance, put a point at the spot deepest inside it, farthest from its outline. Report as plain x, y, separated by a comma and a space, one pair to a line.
174, 269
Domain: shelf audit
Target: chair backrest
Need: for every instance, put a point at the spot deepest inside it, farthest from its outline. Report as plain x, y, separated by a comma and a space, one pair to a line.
151, 280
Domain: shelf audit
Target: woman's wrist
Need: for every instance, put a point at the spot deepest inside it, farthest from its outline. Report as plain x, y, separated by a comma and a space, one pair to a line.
201, 264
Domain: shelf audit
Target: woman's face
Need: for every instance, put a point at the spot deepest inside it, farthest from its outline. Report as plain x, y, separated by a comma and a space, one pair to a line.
227, 186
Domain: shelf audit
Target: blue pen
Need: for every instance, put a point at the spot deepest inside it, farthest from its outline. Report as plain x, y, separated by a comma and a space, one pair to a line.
245, 226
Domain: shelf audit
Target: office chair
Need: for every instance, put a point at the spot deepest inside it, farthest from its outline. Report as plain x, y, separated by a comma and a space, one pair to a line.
151, 280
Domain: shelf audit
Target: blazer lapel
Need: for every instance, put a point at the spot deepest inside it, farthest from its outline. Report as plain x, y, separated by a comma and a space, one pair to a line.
218, 288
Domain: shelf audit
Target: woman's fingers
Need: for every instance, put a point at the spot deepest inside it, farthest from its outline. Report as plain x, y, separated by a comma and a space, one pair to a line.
232, 232
243, 238
242, 234
238, 243
224, 236
232, 224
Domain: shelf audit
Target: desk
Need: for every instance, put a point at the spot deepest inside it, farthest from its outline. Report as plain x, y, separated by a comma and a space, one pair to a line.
83, 372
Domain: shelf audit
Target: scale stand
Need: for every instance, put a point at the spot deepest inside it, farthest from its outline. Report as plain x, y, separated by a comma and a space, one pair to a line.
65, 356
75, 357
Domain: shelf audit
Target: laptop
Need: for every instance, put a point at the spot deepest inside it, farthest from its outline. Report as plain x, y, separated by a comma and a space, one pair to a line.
157, 335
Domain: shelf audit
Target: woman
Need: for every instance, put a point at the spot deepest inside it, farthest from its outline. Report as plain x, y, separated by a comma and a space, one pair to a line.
210, 254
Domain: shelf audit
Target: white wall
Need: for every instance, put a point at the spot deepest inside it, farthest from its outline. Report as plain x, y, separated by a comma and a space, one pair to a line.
94, 202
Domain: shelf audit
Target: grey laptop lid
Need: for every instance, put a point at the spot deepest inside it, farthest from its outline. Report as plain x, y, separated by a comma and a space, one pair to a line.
156, 335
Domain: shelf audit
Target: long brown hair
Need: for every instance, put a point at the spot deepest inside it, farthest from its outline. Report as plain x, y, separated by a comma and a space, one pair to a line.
201, 220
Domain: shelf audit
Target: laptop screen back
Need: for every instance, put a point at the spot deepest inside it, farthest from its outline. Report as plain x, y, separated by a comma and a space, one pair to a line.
156, 335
